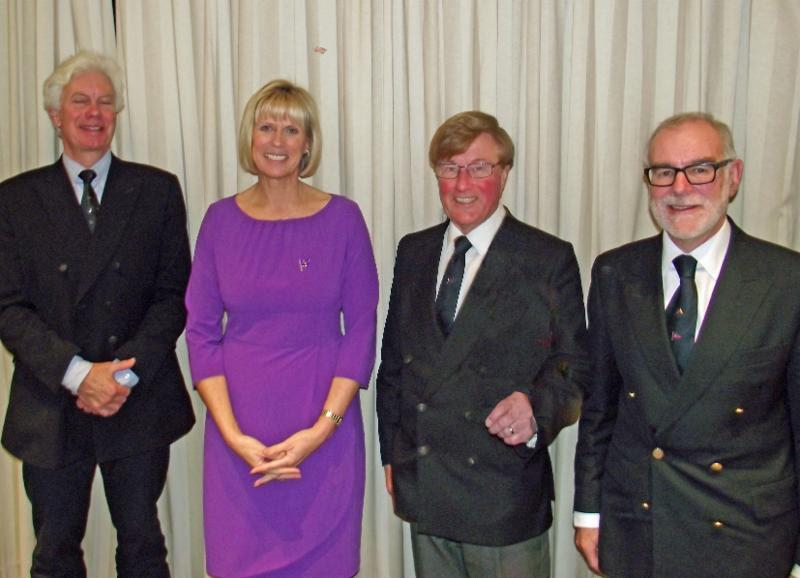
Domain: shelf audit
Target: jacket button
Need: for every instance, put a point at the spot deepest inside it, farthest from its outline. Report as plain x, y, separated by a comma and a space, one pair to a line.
62, 268
408, 358
716, 467
116, 265
113, 340
423, 450
470, 461
646, 506
718, 525
632, 394
739, 411
658, 454
421, 407
468, 415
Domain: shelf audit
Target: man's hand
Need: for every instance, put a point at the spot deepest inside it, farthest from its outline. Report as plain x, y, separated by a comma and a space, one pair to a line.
586, 541
511, 419
99, 393
387, 470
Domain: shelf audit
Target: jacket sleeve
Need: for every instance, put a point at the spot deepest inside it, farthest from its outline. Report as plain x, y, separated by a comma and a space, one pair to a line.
23, 331
793, 389
599, 404
165, 316
556, 391
389, 372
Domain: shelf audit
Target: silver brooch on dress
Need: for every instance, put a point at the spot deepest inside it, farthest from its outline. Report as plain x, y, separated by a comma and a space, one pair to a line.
303, 264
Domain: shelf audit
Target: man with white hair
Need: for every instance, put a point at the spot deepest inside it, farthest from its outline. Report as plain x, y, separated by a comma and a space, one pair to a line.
94, 261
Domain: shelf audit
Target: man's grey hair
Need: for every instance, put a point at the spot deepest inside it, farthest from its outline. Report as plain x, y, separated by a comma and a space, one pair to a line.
83, 61
677, 120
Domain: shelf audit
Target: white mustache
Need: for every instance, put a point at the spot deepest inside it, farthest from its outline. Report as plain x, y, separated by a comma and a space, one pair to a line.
681, 201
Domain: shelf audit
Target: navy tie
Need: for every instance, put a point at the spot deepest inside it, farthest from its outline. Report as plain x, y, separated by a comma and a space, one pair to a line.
447, 299
682, 311
89, 204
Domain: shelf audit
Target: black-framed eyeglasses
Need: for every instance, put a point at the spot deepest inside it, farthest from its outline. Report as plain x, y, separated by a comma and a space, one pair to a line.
697, 174
476, 169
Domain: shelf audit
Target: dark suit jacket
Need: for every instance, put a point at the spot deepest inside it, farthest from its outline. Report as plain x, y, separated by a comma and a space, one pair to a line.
115, 294
694, 476
520, 328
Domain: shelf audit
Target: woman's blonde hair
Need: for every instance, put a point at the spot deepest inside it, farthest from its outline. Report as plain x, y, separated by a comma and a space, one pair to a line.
281, 99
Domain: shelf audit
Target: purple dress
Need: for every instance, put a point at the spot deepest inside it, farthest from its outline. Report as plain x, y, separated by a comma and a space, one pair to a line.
282, 286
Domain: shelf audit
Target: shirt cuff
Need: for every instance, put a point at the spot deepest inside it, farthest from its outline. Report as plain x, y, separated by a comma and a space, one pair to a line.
585, 520
77, 370
795, 571
531, 443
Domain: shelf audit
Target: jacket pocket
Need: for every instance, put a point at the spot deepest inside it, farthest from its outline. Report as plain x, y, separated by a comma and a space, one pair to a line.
774, 498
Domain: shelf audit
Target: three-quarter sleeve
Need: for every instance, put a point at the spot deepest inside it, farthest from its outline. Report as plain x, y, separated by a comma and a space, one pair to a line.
204, 306
359, 304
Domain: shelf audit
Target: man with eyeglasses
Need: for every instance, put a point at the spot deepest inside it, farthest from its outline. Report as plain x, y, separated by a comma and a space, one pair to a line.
483, 363
686, 462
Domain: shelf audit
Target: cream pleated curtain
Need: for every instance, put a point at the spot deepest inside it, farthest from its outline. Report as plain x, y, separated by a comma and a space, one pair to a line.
579, 84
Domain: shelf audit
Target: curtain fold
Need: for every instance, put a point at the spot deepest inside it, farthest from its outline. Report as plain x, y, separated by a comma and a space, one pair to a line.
578, 84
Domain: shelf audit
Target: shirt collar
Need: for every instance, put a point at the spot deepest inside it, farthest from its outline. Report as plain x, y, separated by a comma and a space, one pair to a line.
710, 255
101, 168
480, 237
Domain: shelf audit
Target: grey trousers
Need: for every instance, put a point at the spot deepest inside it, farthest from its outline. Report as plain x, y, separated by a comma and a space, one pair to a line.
436, 557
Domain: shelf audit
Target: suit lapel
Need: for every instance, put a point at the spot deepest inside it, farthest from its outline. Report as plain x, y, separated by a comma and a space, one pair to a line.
118, 203
644, 299
423, 288
477, 312
61, 206
739, 292
496, 277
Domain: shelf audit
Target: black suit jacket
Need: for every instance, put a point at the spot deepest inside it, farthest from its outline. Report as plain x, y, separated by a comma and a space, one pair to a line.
520, 328
115, 294
694, 475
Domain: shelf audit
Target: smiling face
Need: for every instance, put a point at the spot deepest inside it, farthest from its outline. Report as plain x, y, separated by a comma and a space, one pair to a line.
692, 214
86, 120
467, 201
278, 147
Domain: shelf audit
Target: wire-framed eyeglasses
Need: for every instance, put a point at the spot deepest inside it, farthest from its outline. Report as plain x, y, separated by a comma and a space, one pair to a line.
476, 169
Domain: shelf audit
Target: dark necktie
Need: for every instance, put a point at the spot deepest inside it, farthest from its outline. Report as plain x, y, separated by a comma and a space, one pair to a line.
447, 299
682, 311
89, 204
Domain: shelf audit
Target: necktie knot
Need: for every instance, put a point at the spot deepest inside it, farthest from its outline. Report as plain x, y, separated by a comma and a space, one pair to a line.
87, 176
462, 246
685, 265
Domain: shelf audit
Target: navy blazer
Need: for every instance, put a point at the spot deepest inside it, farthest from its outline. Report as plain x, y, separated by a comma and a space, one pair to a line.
521, 327
694, 475
115, 294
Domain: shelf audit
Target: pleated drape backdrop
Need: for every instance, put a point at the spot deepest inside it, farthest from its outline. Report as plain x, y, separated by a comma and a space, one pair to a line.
579, 84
